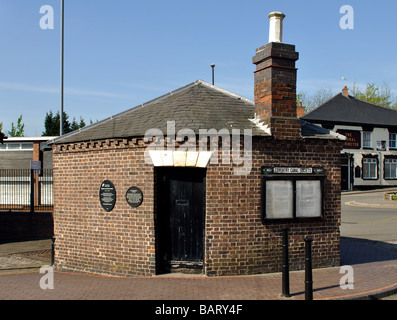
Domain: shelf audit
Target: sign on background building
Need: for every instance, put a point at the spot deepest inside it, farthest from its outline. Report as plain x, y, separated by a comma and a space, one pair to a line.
353, 138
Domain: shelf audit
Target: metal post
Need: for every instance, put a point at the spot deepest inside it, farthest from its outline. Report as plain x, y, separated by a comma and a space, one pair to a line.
285, 270
53, 251
213, 73
31, 191
62, 60
308, 270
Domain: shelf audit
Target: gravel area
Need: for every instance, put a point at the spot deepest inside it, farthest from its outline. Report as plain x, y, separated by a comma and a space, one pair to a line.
15, 261
24, 255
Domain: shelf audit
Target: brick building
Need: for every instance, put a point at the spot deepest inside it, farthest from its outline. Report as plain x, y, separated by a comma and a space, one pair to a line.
200, 180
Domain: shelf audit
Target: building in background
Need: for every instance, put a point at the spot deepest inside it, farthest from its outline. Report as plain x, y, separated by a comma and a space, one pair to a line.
370, 151
26, 174
17, 153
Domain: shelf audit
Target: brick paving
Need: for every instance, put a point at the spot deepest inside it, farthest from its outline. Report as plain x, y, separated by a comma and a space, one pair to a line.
374, 265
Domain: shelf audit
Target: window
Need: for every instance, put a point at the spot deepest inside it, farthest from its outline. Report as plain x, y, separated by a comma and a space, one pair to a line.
381, 145
14, 146
26, 146
286, 197
370, 168
390, 168
392, 141
367, 140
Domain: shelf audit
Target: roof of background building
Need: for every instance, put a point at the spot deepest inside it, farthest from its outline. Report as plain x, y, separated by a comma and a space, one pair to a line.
28, 139
343, 109
196, 106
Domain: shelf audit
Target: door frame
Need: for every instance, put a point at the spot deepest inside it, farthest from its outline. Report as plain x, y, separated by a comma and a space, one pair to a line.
161, 230
349, 166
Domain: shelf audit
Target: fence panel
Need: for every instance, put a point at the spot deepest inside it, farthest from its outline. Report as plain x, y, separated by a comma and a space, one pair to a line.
26, 190
46, 199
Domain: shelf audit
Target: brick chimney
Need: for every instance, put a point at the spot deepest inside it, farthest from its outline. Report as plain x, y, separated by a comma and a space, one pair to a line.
275, 83
300, 111
345, 91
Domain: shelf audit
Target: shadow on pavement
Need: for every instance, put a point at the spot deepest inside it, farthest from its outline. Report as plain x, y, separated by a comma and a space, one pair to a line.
359, 251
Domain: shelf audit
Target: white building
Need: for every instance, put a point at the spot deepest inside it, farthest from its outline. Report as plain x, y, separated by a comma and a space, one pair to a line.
17, 153
17, 157
370, 152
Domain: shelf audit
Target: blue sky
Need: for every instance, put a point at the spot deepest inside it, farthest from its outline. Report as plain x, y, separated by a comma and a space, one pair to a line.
119, 54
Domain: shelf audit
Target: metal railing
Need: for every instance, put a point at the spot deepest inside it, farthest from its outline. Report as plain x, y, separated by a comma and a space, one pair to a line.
26, 190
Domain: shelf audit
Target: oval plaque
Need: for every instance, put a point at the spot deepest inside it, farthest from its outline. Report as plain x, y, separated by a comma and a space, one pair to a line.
134, 197
107, 195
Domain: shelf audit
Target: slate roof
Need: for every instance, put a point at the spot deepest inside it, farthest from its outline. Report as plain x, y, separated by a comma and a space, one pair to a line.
196, 106
348, 110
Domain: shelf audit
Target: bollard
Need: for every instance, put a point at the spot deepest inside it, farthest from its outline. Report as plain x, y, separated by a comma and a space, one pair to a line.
308, 270
53, 251
285, 265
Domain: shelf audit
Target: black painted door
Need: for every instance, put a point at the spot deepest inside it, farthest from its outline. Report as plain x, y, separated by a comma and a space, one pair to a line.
344, 178
180, 221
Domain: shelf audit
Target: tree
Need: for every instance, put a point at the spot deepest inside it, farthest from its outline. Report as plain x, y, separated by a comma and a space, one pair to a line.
82, 123
76, 126
377, 95
2, 135
311, 102
18, 130
52, 128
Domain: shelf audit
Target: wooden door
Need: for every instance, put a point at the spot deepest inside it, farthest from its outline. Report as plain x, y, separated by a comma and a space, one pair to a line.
180, 218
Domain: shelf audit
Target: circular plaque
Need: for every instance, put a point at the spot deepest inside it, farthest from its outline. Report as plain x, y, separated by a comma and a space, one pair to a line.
107, 195
134, 197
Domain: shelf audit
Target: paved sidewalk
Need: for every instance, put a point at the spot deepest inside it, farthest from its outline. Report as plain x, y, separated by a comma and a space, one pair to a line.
374, 265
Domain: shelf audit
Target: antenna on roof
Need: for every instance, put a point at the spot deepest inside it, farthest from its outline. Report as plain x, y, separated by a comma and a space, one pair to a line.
213, 73
343, 82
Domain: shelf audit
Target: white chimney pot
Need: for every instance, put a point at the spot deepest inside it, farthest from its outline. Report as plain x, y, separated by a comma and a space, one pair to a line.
276, 26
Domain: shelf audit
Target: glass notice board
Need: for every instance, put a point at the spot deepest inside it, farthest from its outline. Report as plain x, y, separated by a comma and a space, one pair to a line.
279, 203
292, 197
308, 199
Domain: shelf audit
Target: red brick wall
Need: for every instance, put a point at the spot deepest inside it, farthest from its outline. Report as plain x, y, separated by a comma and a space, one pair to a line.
88, 238
238, 243
122, 242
